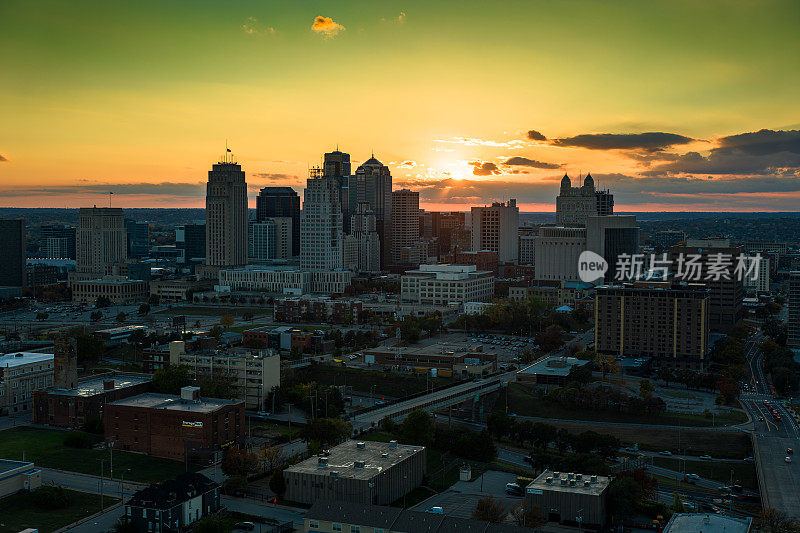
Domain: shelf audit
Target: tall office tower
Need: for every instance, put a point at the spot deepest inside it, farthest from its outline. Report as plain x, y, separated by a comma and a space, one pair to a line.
337, 166
575, 204
612, 236
58, 241
363, 246
527, 244
270, 239
668, 322
102, 241
281, 202
725, 298
425, 224
12, 260
793, 319
442, 227
405, 222
138, 242
226, 214
190, 240
65, 362
556, 252
496, 228
372, 183
321, 224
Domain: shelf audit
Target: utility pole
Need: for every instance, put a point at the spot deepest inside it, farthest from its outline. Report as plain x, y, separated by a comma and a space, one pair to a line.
102, 507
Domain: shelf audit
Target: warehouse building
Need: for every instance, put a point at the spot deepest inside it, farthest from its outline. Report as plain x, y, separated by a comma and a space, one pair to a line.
569, 498
358, 472
16, 476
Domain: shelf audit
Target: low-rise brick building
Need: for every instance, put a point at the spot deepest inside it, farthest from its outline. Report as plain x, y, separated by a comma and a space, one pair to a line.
335, 310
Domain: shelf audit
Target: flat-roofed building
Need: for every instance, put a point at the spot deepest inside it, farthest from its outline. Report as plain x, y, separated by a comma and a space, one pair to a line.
119, 290
184, 427
76, 407
550, 371
22, 373
446, 284
446, 359
321, 308
359, 472
556, 252
707, 523
17, 476
570, 498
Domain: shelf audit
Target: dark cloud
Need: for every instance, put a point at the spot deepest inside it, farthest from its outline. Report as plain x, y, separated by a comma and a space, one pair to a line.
486, 168
536, 136
649, 141
3, 159
763, 142
525, 162
269, 176
191, 190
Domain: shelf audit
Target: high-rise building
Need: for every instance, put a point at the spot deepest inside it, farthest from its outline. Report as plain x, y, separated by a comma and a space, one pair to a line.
793, 320
556, 252
496, 228
405, 222
527, 244
138, 238
668, 322
575, 204
612, 236
270, 239
756, 278
12, 260
321, 225
190, 239
102, 242
58, 241
281, 202
362, 248
372, 183
336, 165
226, 214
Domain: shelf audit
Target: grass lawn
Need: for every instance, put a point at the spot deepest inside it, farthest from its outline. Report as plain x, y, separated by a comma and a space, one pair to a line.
743, 473
523, 401
17, 512
385, 383
45, 447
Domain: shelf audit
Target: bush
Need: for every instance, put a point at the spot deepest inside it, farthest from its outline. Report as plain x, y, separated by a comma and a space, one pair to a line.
49, 498
76, 439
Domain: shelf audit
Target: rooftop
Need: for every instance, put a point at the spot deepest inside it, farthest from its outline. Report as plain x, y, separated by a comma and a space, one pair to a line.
350, 460
23, 358
707, 523
553, 366
93, 386
166, 494
571, 482
121, 329
153, 400
7, 466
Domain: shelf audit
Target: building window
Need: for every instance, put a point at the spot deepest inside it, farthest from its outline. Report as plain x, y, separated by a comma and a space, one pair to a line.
336, 527
313, 525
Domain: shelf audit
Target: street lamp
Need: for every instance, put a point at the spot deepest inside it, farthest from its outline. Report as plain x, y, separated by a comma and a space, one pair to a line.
122, 485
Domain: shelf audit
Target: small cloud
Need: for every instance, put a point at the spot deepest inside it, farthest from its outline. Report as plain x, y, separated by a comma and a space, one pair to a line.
253, 27
485, 168
326, 26
407, 164
471, 141
536, 136
3, 159
525, 162
401, 17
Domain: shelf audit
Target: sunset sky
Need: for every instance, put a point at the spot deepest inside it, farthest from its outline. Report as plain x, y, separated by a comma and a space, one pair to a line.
673, 105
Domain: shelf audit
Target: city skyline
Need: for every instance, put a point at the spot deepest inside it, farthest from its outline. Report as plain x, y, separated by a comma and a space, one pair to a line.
673, 106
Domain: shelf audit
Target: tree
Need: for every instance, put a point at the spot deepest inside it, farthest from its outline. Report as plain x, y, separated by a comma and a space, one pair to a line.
213, 524
227, 320
417, 428
646, 388
239, 462
623, 496
677, 503
528, 516
270, 457
277, 483
234, 484
144, 309
607, 364
49, 497
124, 526
169, 380
489, 509
326, 431
102, 301
215, 332
95, 316
499, 424
121, 317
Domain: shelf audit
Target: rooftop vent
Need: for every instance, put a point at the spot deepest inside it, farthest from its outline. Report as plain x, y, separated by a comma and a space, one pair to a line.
549, 480
361, 445
579, 476
594, 479
384, 455
587, 483
108, 384
556, 474
360, 464
190, 394
563, 482
392, 444
571, 482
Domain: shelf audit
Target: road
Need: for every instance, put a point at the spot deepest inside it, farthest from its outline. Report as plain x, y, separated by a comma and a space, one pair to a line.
779, 480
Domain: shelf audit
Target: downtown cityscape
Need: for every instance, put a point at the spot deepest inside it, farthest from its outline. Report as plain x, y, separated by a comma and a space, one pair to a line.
239, 295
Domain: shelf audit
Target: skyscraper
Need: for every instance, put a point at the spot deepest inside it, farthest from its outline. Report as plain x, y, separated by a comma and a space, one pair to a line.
138, 238
496, 228
281, 202
575, 204
190, 239
405, 222
12, 260
372, 183
270, 239
102, 241
57, 241
321, 224
362, 247
337, 166
226, 214
612, 236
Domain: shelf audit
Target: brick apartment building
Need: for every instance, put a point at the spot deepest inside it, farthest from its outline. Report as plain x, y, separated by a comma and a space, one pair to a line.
76, 407
334, 310
184, 427
486, 260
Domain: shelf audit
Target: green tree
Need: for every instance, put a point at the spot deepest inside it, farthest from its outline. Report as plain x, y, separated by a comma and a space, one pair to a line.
677, 503
227, 320
49, 497
213, 524
124, 526
102, 301
239, 462
646, 389
169, 380
327, 431
624, 494
488, 509
417, 428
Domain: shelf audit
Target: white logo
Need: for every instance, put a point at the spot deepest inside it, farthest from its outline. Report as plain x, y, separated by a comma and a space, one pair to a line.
591, 266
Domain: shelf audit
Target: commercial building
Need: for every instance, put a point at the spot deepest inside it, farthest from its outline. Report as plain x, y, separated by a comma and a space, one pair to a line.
336, 165
190, 240
120, 334
173, 504
611, 237
284, 280
556, 252
445, 359
137, 238
18, 476
226, 214
372, 183
327, 516
726, 292
707, 523
22, 373
102, 242
362, 247
486, 260
663, 240
12, 260
756, 276
286, 338
570, 498
175, 290
321, 308
527, 245
76, 407
281, 202
443, 225
575, 204
321, 231
446, 284
253, 373
118, 289
357, 472
184, 427
405, 221
552, 292
550, 371
496, 228
270, 238
668, 322
57, 241
793, 318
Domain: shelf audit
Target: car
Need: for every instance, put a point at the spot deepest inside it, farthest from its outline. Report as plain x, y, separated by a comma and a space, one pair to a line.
705, 457
748, 459
514, 489
788, 459
789, 451
247, 526
692, 476
666, 452
435, 510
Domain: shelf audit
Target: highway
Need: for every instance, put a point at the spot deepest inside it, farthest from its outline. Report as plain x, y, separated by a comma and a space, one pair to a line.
779, 480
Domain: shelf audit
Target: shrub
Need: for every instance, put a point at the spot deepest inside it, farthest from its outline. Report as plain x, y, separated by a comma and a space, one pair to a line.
76, 439
48, 498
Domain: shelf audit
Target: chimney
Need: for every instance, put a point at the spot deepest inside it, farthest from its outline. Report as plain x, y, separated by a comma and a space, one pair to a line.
108, 384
